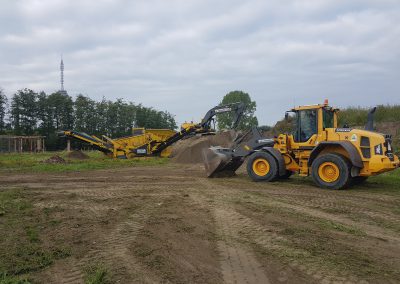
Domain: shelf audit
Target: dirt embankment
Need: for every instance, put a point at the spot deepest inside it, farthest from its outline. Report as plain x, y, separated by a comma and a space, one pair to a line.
190, 150
77, 154
54, 160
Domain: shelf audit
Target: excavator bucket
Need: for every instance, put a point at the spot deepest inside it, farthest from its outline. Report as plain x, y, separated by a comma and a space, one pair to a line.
220, 162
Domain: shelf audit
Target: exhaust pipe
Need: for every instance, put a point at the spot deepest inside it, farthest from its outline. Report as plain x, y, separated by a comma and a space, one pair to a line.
370, 120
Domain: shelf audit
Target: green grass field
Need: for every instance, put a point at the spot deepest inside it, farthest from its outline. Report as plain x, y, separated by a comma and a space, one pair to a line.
28, 162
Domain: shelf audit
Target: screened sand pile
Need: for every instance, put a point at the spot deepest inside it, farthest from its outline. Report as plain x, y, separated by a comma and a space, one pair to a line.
77, 154
190, 150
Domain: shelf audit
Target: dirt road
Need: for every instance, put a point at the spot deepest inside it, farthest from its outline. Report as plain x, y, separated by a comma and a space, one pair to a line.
170, 224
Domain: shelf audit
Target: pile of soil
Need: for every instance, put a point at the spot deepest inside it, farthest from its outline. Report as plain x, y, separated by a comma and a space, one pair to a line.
77, 154
55, 160
189, 150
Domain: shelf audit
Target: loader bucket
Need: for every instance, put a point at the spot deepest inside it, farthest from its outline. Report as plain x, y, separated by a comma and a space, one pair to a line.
220, 162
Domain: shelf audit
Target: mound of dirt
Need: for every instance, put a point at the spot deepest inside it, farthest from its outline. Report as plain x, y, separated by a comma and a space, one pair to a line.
55, 160
77, 155
190, 150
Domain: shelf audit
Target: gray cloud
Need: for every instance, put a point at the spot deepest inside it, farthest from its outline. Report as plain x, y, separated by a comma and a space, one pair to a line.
183, 56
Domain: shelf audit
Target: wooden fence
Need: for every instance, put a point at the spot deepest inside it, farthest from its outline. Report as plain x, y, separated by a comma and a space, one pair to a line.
19, 144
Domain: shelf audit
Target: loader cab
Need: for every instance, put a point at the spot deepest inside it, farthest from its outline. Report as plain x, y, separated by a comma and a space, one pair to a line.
310, 121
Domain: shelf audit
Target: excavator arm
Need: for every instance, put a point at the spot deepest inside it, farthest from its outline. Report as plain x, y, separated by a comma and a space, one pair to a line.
237, 109
205, 124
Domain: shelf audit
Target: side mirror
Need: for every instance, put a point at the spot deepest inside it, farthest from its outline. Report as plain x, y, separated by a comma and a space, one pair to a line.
286, 116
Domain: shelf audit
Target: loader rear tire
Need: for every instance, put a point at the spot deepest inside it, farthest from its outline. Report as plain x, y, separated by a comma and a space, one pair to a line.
331, 171
261, 166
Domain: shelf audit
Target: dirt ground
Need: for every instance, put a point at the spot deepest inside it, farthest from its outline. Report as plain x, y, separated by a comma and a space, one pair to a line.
170, 224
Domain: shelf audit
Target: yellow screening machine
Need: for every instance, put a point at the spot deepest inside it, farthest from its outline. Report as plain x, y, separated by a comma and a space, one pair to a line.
154, 142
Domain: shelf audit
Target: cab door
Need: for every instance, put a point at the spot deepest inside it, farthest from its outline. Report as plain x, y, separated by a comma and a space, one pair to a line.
306, 128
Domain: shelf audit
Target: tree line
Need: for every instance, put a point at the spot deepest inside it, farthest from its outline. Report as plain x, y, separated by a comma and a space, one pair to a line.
37, 113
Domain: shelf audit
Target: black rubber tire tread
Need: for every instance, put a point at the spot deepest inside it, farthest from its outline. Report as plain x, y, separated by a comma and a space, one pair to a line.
273, 173
341, 162
358, 180
287, 175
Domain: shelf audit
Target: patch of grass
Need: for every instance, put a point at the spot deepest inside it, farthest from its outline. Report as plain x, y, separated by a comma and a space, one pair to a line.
8, 279
320, 250
330, 225
21, 248
34, 162
97, 274
61, 252
387, 181
32, 233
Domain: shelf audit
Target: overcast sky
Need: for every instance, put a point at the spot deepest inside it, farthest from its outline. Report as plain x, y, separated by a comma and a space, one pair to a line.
184, 56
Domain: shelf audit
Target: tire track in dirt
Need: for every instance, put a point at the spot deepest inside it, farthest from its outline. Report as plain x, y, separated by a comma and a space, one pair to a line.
337, 204
285, 200
237, 226
238, 264
95, 210
271, 241
112, 250
371, 230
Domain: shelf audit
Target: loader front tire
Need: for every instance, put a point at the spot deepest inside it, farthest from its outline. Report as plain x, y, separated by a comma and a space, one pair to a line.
261, 166
331, 171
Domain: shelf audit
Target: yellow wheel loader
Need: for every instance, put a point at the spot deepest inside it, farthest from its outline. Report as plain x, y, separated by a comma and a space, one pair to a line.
335, 157
155, 142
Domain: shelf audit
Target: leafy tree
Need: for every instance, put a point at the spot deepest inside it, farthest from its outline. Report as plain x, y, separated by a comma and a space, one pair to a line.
103, 125
3, 108
85, 114
151, 118
119, 118
44, 114
33, 113
24, 112
225, 120
61, 110
54, 113
169, 120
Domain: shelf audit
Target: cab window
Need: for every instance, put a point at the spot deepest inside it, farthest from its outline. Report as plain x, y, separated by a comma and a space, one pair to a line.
328, 118
306, 125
